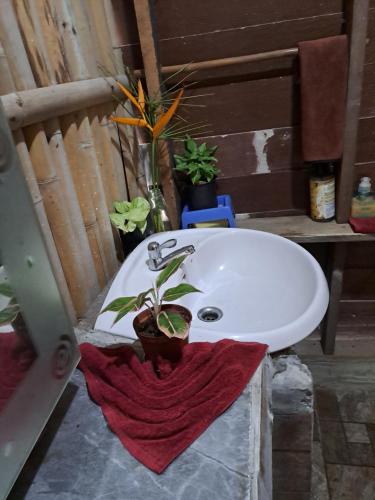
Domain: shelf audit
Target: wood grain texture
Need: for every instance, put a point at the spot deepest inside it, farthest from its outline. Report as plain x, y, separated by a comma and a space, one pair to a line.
145, 24
359, 22
240, 41
243, 106
259, 151
276, 191
370, 46
366, 138
49, 237
178, 17
87, 51
335, 278
301, 229
368, 91
33, 26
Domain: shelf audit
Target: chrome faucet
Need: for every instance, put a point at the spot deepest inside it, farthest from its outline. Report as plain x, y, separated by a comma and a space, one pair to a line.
155, 260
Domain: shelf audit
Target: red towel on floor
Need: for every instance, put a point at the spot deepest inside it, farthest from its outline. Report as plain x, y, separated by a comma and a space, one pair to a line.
16, 357
156, 419
324, 74
362, 225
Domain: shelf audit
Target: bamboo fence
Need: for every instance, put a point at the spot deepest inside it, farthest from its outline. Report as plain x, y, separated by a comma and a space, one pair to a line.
75, 160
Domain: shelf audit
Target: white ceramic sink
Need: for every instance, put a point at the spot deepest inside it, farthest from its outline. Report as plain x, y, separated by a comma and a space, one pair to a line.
268, 288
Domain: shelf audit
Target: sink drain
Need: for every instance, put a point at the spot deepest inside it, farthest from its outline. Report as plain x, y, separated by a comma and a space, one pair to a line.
210, 314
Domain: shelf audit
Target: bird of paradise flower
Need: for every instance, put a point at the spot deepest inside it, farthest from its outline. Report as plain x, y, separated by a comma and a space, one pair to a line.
155, 116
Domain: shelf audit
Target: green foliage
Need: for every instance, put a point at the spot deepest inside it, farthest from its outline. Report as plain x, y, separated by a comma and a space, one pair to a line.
197, 162
170, 269
10, 312
171, 324
130, 215
177, 292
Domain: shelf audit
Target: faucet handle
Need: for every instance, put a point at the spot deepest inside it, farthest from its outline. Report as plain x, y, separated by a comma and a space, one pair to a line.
153, 250
168, 244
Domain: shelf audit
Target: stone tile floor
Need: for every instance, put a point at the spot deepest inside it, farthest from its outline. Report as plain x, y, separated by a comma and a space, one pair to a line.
344, 434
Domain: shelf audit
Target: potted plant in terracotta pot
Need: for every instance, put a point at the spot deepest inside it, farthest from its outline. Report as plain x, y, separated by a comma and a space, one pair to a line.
198, 163
131, 218
162, 328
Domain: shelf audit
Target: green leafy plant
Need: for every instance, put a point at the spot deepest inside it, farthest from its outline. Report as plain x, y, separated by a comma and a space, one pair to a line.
170, 323
198, 162
10, 312
130, 215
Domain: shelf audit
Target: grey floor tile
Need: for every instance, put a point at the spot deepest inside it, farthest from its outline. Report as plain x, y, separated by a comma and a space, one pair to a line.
334, 446
319, 485
361, 454
316, 428
348, 482
357, 406
356, 433
326, 403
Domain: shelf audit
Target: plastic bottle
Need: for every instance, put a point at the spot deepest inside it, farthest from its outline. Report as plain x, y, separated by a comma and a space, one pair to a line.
363, 201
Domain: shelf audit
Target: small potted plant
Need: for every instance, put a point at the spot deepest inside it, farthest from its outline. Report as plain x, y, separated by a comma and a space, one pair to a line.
163, 329
11, 314
198, 163
131, 219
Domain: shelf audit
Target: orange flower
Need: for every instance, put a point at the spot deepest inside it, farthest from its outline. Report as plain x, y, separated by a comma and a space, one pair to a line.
140, 104
166, 117
136, 122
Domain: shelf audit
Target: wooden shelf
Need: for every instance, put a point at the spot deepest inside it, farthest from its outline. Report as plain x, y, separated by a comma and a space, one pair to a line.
301, 229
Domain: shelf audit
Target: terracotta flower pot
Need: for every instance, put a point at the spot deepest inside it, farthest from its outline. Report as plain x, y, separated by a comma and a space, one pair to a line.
161, 345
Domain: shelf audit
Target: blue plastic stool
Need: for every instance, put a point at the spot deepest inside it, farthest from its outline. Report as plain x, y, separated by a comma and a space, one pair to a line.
223, 211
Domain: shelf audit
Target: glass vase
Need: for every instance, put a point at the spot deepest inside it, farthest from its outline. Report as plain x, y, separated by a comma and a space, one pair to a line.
158, 210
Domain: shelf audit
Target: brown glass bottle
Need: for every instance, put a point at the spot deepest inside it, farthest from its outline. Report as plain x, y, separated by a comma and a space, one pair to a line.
322, 191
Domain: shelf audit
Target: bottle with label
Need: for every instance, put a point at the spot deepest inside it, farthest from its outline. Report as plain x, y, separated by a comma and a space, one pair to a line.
322, 191
363, 202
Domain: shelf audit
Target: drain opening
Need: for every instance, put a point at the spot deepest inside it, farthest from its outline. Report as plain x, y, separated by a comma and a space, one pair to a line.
210, 314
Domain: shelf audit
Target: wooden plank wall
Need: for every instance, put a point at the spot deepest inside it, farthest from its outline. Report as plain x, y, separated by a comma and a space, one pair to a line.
73, 164
253, 109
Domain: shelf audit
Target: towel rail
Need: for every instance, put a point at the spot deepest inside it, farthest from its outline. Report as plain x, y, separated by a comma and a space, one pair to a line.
226, 61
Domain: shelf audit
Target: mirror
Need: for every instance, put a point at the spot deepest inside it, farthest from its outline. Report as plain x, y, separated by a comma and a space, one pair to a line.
38, 350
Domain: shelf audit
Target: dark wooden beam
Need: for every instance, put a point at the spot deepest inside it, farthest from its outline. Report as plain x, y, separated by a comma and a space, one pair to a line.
357, 21
335, 279
147, 37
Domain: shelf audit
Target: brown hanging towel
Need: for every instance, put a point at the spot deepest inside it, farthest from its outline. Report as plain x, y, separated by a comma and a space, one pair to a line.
324, 74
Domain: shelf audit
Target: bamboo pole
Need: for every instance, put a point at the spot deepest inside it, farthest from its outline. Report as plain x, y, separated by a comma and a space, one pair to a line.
103, 144
101, 36
56, 206
70, 258
88, 138
105, 132
108, 253
89, 189
49, 238
7, 85
128, 143
79, 151
40, 104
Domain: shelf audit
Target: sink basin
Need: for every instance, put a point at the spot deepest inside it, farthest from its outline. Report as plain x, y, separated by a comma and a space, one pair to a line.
267, 288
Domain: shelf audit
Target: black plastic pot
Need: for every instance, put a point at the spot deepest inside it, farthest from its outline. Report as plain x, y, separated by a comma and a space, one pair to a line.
201, 196
131, 240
